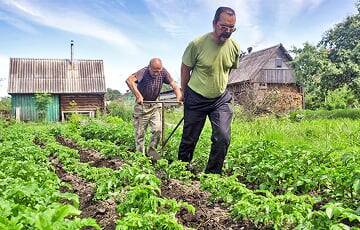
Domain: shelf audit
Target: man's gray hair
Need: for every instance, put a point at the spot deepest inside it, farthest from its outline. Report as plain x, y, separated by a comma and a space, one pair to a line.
152, 60
222, 9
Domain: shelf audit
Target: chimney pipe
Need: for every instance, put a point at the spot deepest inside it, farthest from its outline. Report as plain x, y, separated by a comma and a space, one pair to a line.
71, 48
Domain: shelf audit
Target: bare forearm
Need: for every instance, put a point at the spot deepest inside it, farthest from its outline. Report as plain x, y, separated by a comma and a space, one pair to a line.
134, 90
185, 76
177, 92
132, 86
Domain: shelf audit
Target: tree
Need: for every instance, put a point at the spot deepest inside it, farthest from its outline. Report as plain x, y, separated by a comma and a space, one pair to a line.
112, 94
344, 36
332, 64
343, 43
315, 73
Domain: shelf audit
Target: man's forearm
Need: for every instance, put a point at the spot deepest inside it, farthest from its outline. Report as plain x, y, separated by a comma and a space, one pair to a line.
133, 88
135, 91
177, 92
185, 76
184, 81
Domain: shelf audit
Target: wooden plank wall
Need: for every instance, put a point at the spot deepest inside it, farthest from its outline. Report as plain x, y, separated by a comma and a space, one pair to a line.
84, 102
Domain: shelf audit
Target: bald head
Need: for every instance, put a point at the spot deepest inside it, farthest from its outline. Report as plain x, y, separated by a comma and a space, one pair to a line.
155, 63
155, 66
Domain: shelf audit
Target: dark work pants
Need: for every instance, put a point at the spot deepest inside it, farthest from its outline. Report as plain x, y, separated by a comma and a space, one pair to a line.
196, 109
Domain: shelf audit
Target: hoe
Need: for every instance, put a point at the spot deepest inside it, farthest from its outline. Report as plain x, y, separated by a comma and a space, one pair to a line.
152, 152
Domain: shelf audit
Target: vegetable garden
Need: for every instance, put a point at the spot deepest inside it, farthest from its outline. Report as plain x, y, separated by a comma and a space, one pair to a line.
85, 174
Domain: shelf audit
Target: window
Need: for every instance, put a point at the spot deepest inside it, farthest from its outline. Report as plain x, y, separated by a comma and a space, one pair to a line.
65, 115
278, 62
262, 85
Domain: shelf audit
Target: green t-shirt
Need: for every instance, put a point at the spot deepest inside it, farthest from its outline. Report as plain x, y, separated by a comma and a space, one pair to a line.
211, 64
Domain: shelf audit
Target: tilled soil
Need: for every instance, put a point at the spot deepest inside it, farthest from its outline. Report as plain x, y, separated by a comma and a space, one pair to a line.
90, 156
103, 211
208, 215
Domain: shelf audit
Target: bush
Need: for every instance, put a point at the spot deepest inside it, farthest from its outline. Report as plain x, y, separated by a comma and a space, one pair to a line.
325, 114
5, 107
42, 101
120, 109
341, 98
5, 104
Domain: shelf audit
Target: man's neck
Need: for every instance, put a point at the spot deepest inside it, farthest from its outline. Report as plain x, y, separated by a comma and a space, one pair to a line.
216, 39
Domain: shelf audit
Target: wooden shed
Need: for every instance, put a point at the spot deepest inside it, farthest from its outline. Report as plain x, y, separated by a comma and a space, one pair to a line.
76, 86
265, 81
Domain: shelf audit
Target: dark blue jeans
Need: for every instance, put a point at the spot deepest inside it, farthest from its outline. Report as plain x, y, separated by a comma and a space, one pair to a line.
196, 109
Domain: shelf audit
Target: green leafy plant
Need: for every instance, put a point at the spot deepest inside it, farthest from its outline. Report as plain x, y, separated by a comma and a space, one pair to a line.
42, 101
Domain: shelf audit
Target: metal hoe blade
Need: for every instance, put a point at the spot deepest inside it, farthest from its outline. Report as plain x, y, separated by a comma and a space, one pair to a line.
152, 153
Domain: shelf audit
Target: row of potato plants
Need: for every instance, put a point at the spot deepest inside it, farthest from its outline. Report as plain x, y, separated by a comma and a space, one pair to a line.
296, 186
135, 186
29, 188
280, 177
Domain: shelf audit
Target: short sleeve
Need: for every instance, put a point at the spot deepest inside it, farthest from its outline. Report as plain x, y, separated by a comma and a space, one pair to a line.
237, 56
139, 74
167, 77
189, 56
236, 62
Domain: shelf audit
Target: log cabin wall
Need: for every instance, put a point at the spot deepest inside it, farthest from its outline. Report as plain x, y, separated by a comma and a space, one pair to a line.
81, 81
265, 78
288, 96
83, 102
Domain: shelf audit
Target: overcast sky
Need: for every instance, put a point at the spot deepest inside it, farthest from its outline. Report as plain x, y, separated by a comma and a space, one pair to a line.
126, 34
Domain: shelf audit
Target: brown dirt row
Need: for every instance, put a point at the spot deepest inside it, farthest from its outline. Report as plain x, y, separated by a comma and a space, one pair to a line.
90, 156
103, 211
208, 215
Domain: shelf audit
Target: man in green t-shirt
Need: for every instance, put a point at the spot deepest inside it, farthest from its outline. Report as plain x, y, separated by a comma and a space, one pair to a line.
205, 69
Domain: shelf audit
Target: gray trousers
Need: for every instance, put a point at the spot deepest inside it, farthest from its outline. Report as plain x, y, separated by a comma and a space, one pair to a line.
219, 111
143, 116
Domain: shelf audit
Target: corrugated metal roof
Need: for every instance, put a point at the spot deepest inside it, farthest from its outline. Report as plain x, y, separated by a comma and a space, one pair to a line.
251, 64
29, 75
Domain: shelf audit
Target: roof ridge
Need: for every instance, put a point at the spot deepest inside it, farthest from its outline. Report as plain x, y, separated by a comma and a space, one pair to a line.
262, 50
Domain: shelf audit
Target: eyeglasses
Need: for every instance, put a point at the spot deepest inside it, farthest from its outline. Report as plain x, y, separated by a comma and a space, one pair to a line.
227, 28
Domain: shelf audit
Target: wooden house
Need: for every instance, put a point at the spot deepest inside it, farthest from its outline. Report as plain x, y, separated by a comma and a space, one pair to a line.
75, 86
265, 82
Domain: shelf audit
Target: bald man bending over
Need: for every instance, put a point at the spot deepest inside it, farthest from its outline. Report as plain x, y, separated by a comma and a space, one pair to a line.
146, 84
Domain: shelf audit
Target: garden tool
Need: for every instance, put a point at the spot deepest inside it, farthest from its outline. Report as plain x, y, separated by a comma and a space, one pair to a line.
151, 151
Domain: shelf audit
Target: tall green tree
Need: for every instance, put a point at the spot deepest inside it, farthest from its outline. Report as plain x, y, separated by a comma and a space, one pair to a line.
343, 43
112, 94
315, 72
344, 36
332, 64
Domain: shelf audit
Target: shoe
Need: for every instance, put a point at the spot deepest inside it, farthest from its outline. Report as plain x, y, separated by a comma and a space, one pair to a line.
191, 168
153, 154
